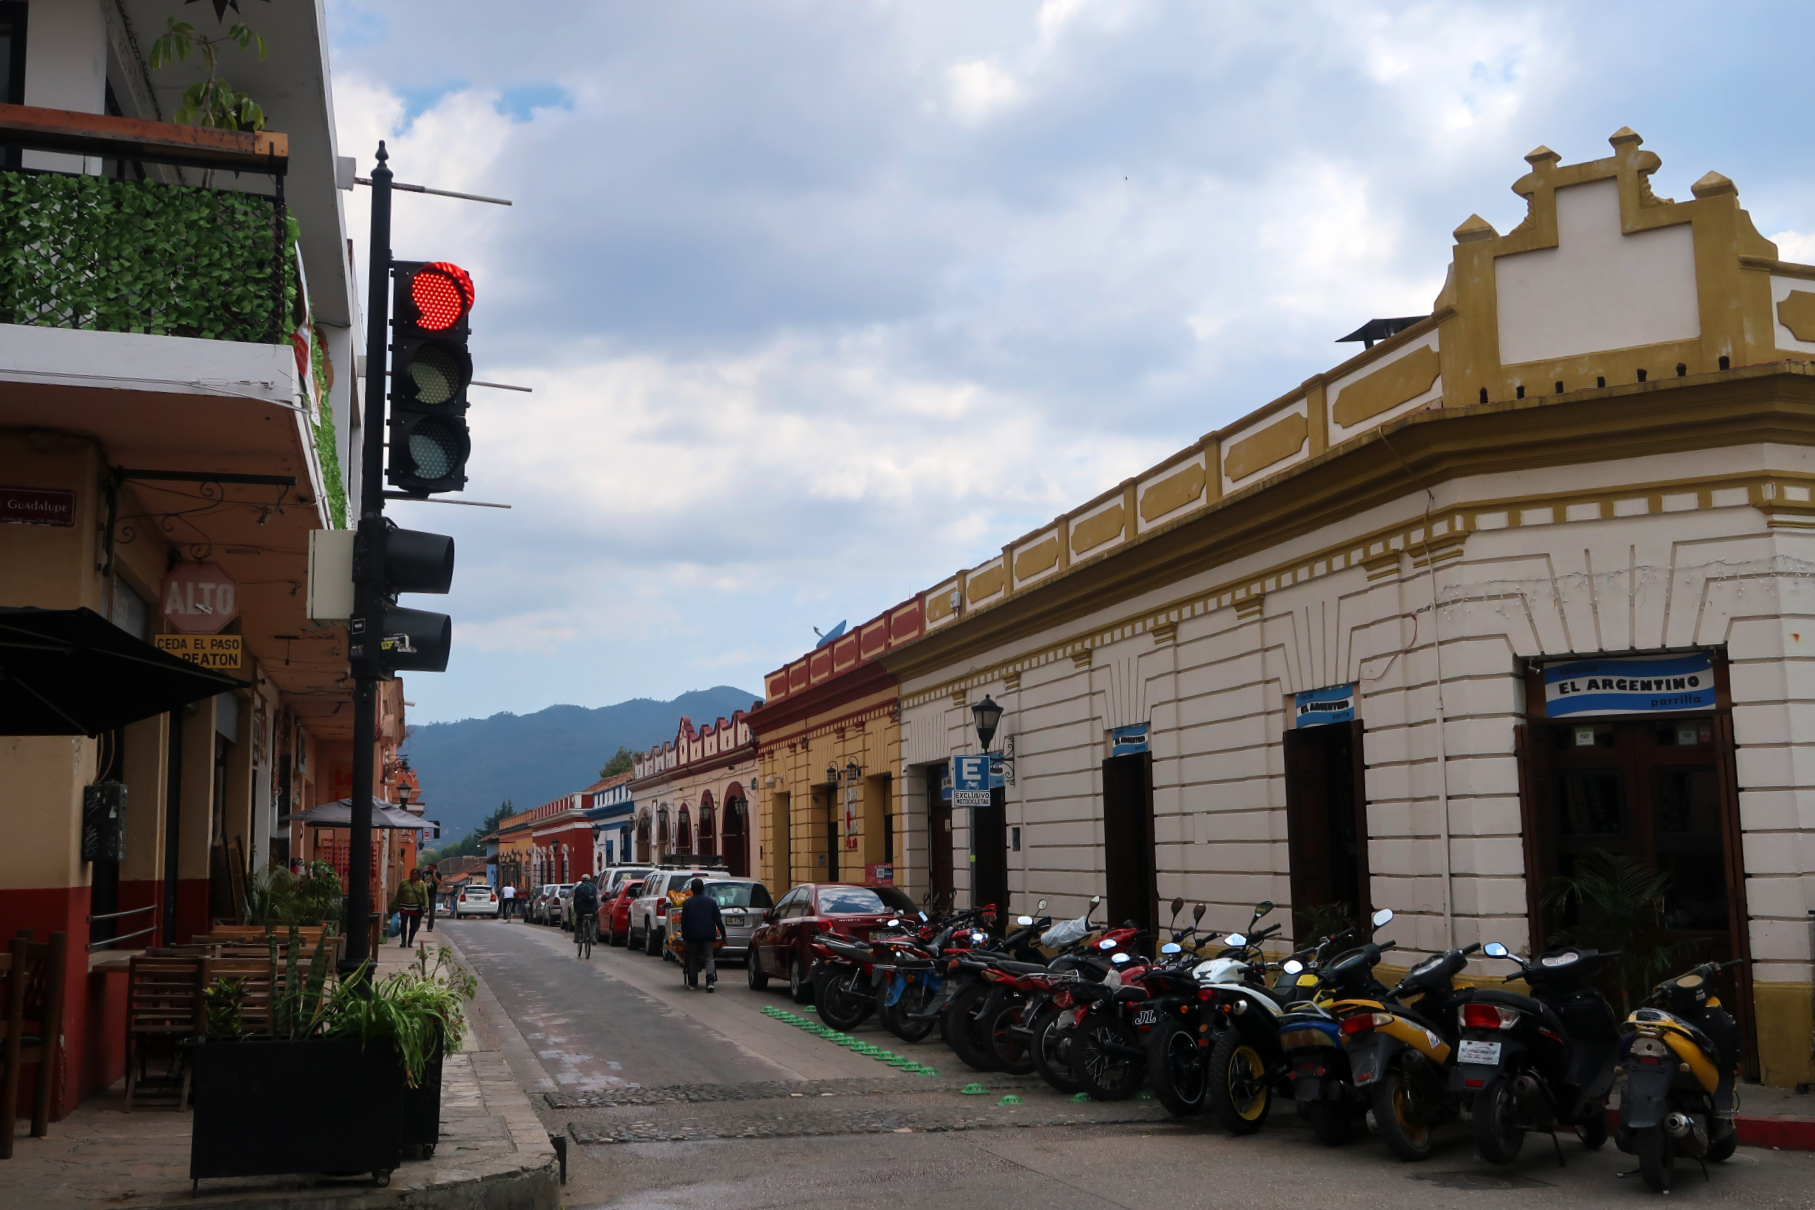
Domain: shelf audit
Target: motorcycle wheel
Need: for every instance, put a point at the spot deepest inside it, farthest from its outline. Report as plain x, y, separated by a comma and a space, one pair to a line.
1051, 1051
800, 988
1657, 1157
1331, 1122
964, 1033
1178, 1065
837, 1007
1239, 1093
1593, 1132
1497, 1136
1013, 1053
1105, 1074
914, 999
1396, 1112
1723, 1148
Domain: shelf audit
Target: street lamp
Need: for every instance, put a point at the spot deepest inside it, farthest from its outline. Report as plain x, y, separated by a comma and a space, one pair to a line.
832, 776
404, 790
988, 715
852, 771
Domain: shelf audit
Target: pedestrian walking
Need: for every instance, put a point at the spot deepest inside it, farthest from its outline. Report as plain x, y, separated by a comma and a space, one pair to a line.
433, 880
408, 903
510, 901
702, 927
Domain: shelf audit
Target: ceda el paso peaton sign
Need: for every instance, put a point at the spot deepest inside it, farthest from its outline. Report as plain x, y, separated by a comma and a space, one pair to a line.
1634, 685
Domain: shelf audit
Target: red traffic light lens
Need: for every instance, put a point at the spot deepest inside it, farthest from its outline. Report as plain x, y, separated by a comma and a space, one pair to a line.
442, 293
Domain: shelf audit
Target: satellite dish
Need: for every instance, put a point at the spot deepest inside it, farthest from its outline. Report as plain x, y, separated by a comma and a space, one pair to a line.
828, 636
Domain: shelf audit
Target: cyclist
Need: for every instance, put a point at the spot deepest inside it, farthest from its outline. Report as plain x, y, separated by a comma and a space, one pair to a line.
585, 914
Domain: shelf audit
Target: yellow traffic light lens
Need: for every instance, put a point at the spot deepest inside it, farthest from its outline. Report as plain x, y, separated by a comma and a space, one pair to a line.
437, 372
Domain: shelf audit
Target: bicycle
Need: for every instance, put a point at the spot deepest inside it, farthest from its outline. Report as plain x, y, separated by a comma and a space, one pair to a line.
584, 927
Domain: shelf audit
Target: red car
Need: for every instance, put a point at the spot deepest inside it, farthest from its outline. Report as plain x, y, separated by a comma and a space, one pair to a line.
779, 947
614, 913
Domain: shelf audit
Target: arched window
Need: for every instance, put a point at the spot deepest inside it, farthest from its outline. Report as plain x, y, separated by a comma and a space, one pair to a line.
708, 840
683, 832
662, 848
736, 843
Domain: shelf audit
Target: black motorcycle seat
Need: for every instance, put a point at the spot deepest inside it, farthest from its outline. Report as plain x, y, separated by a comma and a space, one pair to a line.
1021, 968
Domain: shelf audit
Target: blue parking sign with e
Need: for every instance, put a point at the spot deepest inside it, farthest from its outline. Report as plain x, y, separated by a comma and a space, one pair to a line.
970, 781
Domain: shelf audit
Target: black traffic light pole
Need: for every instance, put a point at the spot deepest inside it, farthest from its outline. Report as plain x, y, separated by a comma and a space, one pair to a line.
368, 586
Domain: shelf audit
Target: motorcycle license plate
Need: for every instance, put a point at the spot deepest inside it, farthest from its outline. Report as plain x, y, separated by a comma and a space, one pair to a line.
1147, 1016
1479, 1052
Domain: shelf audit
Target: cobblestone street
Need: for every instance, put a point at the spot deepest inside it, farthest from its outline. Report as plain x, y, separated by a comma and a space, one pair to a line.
620, 1060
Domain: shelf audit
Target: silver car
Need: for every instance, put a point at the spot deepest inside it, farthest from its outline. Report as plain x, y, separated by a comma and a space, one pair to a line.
741, 903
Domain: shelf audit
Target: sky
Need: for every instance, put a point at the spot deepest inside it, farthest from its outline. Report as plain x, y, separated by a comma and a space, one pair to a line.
823, 301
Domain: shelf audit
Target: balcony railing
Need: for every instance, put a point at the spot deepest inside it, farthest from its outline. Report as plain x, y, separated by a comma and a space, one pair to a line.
117, 255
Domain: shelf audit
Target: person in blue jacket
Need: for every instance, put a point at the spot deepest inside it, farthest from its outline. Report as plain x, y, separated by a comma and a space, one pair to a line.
701, 927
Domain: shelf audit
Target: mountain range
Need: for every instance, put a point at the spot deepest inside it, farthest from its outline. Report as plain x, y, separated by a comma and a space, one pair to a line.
469, 767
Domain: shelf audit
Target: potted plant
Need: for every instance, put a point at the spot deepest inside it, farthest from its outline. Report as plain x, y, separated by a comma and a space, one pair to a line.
348, 1074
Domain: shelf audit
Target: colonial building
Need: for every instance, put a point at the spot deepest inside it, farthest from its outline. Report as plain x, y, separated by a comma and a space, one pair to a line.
177, 397
1526, 581
828, 748
692, 794
611, 810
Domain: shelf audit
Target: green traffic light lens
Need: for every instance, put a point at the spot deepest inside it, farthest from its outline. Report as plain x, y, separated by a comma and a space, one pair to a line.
435, 449
438, 373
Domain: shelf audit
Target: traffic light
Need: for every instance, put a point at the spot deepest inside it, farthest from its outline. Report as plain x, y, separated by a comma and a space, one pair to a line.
430, 371
407, 640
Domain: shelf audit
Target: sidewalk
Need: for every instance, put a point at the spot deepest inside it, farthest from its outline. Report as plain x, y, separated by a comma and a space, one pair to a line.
494, 1152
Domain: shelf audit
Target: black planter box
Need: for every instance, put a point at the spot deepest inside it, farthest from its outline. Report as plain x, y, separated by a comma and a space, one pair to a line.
265, 1108
422, 1109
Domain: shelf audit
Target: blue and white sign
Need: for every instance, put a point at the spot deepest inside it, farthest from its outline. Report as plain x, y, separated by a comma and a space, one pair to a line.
1128, 741
1647, 684
1317, 707
970, 781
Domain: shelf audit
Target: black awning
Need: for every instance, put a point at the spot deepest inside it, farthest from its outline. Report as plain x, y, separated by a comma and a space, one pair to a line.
72, 672
339, 814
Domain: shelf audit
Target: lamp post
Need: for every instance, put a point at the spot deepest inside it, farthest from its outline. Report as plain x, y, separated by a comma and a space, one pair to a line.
988, 715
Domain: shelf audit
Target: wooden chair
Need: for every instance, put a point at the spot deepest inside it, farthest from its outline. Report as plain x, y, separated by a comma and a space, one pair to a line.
31, 1028
254, 970
164, 1005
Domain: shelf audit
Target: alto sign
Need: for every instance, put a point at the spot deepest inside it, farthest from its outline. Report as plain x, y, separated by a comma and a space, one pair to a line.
199, 598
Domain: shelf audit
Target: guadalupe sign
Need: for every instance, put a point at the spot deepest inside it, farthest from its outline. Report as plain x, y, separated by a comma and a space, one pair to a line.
199, 598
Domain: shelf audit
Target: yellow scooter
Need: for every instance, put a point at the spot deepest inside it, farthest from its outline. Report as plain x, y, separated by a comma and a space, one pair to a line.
1680, 1056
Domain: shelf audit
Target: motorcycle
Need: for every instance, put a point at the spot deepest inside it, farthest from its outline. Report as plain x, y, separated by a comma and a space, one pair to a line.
1403, 1054
1534, 1062
1310, 1035
1238, 1024
1680, 1054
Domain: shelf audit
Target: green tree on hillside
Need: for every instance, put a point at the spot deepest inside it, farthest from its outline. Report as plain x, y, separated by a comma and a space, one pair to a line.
620, 762
469, 845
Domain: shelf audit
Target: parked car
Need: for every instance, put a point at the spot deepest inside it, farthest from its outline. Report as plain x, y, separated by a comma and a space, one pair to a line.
649, 914
742, 903
557, 912
476, 901
612, 880
780, 946
537, 912
614, 913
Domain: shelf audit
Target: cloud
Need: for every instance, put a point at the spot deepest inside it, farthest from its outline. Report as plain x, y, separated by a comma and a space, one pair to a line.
823, 301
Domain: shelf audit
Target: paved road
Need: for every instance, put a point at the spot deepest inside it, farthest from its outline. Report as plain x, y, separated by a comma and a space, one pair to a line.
676, 1099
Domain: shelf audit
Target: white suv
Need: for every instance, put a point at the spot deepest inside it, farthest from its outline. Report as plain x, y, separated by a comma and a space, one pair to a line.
649, 913
476, 901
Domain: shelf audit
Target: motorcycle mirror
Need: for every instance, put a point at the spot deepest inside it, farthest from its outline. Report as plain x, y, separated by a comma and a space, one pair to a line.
1178, 905
1172, 947
1262, 908
1118, 959
1197, 913
1040, 906
1105, 944
1292, 966
1383, 917
1235, 939
1493, 949
1095, 899
1024, 921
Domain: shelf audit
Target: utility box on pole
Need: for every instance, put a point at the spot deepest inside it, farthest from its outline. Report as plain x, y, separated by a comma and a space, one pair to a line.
331, 574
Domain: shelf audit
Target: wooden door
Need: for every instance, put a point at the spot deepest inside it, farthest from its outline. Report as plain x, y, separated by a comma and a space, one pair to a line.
1128, 841
1326, 823
989, 856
